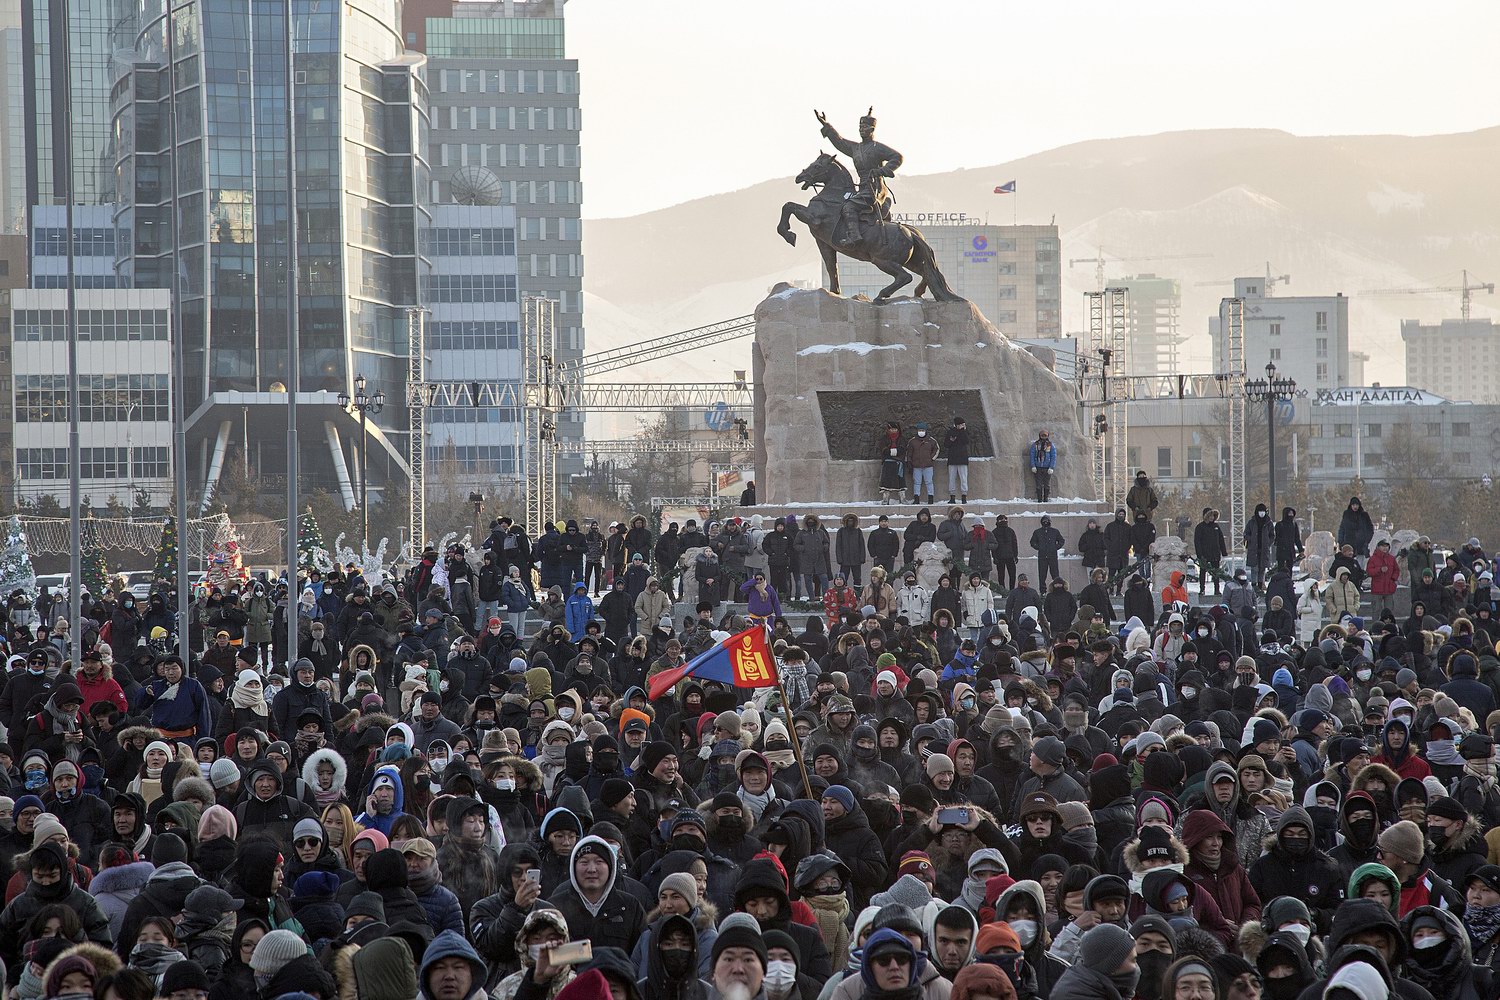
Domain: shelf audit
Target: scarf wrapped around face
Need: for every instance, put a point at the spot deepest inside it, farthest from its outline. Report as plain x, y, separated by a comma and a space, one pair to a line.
250, 696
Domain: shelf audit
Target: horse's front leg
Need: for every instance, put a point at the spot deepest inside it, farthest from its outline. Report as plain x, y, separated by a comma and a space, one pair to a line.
788, 210
831, 265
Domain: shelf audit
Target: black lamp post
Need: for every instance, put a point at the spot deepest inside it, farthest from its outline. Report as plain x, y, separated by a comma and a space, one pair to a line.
364, 404
1270, 390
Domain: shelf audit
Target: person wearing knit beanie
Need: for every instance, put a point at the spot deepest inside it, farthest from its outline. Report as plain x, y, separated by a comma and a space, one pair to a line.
841, 795
939, 763
47, 827
996, 936
918, 797
653, 754
186, 975
223, 773
1104, 948
1401, 844
737, 934
727, 723
684, 884
614, 791
274, 951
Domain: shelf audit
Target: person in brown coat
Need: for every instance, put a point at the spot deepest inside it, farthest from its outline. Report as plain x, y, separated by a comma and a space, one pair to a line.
1213, 863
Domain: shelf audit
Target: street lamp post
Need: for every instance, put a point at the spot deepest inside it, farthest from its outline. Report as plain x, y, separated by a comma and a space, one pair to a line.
1270, 390
364, 404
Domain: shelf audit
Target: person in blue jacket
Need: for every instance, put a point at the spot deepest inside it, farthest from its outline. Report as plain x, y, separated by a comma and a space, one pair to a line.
579, 611
178, 703
963, 666
1043, 463
384, 800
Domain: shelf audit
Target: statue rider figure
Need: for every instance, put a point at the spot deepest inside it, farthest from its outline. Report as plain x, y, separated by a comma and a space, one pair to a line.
874, 162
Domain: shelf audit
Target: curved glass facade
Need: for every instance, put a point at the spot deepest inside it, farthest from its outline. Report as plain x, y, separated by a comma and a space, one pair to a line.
361, 181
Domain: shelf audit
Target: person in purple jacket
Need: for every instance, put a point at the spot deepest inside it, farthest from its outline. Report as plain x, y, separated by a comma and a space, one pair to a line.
762, 604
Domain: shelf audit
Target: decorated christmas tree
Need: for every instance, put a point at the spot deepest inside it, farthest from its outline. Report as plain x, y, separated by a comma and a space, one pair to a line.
166, 550
311, 550
16, 572
226, 564
95, 571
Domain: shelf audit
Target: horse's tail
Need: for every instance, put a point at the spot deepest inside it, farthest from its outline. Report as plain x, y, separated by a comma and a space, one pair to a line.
924, 262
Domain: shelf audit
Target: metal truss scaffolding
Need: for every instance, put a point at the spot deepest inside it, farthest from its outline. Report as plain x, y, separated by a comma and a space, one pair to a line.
1102, 391
543, 405
1232, 315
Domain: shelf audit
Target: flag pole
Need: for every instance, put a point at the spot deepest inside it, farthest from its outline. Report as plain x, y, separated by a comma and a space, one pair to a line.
791, 728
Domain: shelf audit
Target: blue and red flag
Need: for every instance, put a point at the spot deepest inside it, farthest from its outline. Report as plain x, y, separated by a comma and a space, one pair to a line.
1009, 187
739, 661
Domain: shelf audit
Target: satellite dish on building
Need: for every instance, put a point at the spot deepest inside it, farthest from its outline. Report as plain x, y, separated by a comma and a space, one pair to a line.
475, 186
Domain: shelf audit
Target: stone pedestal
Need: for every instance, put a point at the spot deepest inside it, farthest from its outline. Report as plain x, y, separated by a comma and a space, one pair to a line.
830, 371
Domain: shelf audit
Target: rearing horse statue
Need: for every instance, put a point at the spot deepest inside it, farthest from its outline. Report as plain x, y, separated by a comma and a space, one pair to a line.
894, 247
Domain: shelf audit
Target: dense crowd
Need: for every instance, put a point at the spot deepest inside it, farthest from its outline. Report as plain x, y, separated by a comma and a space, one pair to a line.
461, 788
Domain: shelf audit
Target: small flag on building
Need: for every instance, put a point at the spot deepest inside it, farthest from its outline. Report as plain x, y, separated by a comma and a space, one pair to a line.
1009, 187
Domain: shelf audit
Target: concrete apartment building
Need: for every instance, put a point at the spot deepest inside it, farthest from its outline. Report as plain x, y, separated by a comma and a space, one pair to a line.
1012, 273
1306, 336
1458, 358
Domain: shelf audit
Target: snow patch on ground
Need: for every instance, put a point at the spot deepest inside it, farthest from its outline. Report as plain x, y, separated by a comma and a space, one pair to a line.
787, 293
859, 347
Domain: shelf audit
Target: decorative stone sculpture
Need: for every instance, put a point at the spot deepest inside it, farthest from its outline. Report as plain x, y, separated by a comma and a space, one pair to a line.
933, 560
1168, 554
1321, 544
687, 580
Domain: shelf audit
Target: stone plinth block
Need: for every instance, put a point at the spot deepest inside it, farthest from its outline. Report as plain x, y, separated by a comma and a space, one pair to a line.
830, 371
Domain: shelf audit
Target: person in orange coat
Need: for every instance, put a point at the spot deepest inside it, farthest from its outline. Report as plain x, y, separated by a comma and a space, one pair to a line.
1174, 590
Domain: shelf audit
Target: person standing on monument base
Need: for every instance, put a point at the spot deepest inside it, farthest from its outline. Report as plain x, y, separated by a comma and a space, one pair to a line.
956, 448
1043, 464
921, 453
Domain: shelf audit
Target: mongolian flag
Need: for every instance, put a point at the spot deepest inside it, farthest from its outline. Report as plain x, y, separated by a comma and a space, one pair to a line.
739, 661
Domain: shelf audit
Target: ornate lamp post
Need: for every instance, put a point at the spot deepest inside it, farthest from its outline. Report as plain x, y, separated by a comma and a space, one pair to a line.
364, 404
1270, 390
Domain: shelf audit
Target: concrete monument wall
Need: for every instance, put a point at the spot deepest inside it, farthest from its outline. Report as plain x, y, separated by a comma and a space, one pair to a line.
830, 371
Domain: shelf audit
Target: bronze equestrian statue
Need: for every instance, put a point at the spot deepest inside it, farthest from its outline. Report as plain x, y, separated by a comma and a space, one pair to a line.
855, 221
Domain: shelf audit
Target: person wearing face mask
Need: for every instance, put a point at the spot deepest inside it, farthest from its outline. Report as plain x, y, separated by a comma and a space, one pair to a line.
1284, 967
541, 928
1106, 968
1441, 956
22, 687
1295, 867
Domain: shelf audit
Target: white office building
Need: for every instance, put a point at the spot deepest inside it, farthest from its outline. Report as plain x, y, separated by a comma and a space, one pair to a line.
1305, 336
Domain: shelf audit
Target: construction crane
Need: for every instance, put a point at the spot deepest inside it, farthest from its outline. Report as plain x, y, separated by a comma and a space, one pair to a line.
1102, 257
1466, 290
1272, 280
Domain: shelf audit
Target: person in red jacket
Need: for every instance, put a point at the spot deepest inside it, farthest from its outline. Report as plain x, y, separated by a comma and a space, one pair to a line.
1213, 863
1383, 571
1396, 752
1174, 590
96, 681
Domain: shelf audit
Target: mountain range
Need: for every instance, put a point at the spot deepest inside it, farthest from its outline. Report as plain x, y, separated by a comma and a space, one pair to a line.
1347, 214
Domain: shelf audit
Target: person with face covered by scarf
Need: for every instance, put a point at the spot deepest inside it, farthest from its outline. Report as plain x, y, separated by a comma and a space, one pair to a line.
823, 882
1441, 956
1106, 968
1295, 867
319, 646
247, 706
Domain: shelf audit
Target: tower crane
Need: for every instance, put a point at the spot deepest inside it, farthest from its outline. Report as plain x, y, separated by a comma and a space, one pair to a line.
1465, 289
1101, 257
1272, 280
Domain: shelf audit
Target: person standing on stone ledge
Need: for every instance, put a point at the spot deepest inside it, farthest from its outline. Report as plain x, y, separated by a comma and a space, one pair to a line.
1048, 542
892, 464
1043, 464
1142, 498
921, 454
956, 447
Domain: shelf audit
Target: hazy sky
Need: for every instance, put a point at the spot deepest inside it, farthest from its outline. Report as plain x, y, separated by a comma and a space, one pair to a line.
685, 98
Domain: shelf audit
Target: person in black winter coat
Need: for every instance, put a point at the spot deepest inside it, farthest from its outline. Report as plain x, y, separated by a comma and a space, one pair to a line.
1139, 602
1355, 528
1059, 607
1295, 867
849, 550
1048, 542
592, 902
1288, 539
759, 881
919, 531
1142, 535
884, 546
1006, 549
847, 833
1209, 547
1092, 547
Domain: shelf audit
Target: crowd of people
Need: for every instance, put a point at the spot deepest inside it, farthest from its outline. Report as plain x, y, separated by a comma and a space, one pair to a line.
461, 788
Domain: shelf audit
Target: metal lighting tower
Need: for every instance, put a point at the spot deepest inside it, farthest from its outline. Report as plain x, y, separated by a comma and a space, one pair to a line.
1232, 311
543, 405
1109, 341
75, 455
1270, 390
293, 344
419, 396
363, 404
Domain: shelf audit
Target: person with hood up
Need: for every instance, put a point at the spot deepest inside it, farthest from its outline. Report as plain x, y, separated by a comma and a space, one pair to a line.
1342, 596
471, 865
51, 883
1359, 824
1441, 957
1363, 931
542, 928
451, 970
891, 967
268, 808
1288, 539
383, 801
761, 891
1214, 865
1355, 528
1293, 866
590, 902
1396, 751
